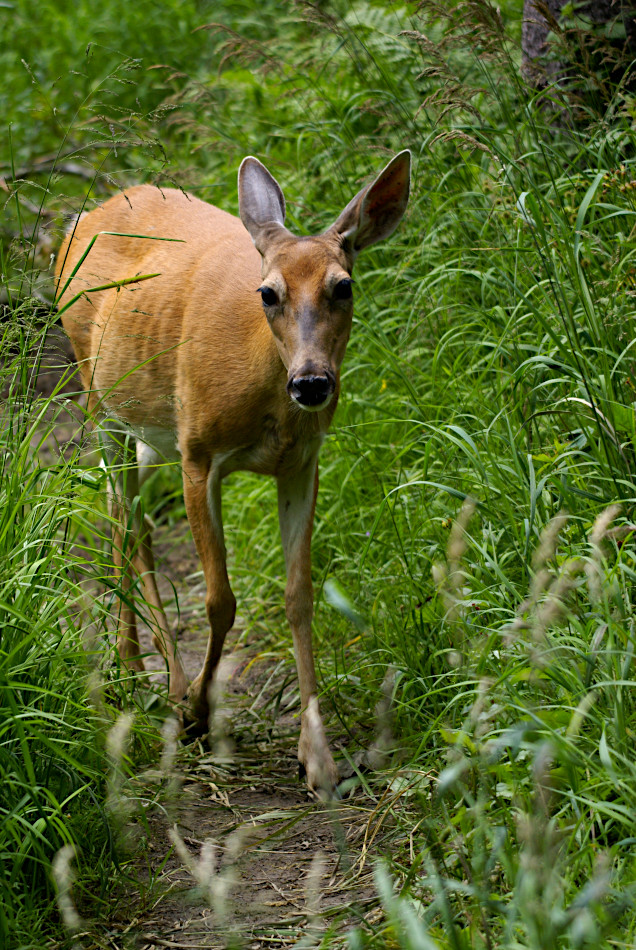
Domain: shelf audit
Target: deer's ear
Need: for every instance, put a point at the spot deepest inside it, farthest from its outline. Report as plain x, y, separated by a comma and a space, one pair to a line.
376, 211
261, 202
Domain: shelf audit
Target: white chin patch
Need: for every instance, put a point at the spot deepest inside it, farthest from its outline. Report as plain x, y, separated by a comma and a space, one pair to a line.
323, 405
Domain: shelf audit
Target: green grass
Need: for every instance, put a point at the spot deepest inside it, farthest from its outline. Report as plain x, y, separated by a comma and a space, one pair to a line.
61, 689
491, 359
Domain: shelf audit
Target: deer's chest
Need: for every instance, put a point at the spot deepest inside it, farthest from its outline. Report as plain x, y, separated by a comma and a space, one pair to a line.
273, 449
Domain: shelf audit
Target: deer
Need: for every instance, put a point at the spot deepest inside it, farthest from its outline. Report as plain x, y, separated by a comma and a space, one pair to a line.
217, 341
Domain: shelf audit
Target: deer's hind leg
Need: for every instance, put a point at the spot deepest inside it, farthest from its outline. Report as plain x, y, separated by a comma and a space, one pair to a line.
132, 555
123, 486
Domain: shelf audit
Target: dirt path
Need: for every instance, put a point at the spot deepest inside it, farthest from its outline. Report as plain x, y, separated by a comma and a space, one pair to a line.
255, 863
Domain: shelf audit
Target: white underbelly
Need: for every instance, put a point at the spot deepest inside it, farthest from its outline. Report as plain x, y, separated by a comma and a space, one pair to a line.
154, 447
160, 442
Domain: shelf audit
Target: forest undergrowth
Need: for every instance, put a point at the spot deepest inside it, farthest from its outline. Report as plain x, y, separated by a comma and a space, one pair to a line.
474, 544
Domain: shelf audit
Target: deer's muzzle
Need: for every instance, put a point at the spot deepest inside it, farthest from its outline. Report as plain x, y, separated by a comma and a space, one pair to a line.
312, 391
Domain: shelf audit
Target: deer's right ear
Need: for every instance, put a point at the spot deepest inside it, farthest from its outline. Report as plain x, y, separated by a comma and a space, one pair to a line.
261, 202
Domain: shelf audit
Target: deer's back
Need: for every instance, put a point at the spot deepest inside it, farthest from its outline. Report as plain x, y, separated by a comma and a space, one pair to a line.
193, 331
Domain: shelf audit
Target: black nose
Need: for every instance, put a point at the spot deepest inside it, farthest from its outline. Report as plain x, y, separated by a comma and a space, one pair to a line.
310, 390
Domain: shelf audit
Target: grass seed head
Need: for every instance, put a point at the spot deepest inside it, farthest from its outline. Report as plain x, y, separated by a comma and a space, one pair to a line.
594, 572
548, 542
64, 876
313, 892
384, 741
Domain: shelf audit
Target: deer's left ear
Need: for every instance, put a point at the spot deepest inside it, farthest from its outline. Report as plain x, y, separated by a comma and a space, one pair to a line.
376, 211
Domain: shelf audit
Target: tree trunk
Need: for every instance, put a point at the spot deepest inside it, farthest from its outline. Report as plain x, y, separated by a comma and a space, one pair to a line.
542, 65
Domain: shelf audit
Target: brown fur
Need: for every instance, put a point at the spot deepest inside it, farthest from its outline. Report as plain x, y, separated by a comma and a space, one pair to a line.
189, 362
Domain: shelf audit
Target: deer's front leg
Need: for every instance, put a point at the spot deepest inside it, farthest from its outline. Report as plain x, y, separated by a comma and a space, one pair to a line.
296, 504
202, 493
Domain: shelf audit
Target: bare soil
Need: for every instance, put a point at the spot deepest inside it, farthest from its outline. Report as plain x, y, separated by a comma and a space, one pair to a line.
259, 863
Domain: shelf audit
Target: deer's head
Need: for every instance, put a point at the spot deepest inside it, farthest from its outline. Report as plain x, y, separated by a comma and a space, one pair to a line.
306, 288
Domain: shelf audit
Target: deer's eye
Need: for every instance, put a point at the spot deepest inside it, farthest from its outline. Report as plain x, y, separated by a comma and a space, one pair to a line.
268, 296
343, 290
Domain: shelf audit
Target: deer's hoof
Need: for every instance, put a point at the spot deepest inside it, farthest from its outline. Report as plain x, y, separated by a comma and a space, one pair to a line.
195, 721
322, 776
